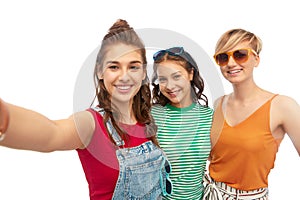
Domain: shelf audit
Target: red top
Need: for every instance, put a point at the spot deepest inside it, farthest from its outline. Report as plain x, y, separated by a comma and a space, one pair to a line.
99, 159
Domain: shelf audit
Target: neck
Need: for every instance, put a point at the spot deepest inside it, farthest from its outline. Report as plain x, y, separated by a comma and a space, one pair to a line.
125, 113
245, 92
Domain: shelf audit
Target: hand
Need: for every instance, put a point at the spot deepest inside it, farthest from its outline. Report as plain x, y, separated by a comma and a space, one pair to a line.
4, 119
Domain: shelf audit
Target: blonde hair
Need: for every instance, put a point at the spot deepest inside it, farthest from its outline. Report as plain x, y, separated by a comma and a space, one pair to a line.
233, 37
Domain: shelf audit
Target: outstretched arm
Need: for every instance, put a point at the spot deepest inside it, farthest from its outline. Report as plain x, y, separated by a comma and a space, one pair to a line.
30, 130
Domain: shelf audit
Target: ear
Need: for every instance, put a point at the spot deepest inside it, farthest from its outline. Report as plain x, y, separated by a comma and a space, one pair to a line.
144, 75
257, 60
191, 75
100, 75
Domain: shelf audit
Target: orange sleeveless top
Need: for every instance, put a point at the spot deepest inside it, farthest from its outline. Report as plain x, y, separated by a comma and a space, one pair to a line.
244, 154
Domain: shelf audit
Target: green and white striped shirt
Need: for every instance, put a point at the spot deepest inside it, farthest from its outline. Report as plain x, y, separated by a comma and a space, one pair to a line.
184, 135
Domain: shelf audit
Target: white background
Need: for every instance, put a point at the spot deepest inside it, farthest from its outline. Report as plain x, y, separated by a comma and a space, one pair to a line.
43, 45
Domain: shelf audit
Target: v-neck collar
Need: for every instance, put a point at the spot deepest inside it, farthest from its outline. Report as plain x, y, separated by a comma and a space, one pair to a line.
223, 111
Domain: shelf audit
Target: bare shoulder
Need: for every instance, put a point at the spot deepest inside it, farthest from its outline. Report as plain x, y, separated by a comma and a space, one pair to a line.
86, 116
217, 101
284, 102
85, 125
287, 112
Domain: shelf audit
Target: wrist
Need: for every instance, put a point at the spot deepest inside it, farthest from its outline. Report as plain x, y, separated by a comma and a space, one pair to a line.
4, 119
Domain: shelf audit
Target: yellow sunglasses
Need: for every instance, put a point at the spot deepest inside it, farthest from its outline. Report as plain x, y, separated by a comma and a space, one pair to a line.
240, 56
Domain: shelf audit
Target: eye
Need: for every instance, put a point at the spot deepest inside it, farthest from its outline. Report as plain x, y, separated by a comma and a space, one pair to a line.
240, 54
135, 67
222, 57
113, 67
177, 77
162, 80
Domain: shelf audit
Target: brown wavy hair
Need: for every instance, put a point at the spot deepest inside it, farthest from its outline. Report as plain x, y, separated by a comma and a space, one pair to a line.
189, 64
122, 33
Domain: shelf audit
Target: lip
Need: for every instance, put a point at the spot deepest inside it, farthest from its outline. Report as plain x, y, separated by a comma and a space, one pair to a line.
123, 88
234, 71
173, 93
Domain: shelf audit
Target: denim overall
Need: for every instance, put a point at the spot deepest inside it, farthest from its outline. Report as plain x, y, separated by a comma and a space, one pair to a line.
143, 170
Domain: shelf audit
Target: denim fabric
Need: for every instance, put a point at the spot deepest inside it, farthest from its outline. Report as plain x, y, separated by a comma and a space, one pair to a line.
142, 173
143, 170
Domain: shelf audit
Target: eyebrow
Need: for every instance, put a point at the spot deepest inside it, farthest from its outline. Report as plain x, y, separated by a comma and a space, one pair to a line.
131, 62
173, 73
176, 73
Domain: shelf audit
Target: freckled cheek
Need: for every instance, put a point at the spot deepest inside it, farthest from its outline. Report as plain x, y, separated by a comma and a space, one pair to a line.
110, 77
163, 90
137, 78
108, 88
109, 84
162, 87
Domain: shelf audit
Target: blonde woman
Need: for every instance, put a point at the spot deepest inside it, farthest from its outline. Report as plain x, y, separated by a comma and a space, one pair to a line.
249, 124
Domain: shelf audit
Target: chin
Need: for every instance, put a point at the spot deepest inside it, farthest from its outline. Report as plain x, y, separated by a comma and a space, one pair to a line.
175, 102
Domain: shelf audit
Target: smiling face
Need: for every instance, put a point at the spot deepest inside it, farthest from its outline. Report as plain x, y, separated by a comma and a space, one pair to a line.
122, 73
174, 83
236, 39
235, 72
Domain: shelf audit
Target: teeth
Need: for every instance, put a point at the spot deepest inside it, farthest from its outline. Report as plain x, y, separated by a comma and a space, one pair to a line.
123, 87
234, 71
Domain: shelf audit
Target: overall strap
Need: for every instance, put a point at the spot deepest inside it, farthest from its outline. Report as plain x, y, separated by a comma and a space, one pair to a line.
111, 130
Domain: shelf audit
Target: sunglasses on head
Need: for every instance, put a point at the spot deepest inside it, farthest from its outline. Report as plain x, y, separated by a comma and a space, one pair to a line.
174, 51
240, 56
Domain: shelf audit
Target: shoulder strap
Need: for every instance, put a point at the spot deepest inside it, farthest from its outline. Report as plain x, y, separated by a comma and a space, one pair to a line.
275, 95
111, 130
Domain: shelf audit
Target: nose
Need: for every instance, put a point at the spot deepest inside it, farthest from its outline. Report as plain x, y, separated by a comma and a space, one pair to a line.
124, 75
170, 84
231, 61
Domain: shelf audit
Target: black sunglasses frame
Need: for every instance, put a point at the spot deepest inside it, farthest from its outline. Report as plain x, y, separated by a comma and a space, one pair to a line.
176, 51
168, 187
